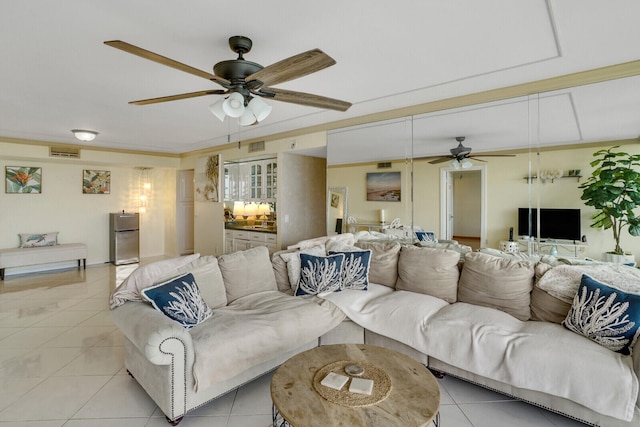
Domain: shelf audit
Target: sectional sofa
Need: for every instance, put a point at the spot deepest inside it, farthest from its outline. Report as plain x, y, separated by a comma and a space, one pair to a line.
490, 318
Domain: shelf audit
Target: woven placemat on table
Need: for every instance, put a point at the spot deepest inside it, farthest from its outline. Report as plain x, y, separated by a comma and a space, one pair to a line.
381, 385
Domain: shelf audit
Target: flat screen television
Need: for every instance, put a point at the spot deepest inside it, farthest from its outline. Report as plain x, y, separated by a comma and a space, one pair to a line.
562, 224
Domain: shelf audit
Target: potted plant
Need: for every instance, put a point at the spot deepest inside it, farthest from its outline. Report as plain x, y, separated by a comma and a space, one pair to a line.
613, 189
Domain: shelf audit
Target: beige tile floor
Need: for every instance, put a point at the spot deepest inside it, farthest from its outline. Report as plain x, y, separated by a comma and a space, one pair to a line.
61, 364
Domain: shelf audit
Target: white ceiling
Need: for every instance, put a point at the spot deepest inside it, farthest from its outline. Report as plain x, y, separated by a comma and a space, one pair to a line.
57, 74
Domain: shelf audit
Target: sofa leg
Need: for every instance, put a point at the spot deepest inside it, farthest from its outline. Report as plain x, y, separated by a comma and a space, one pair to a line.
174, 422
437, 374
1, 273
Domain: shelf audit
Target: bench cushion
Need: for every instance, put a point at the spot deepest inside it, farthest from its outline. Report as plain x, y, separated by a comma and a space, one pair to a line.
19, 257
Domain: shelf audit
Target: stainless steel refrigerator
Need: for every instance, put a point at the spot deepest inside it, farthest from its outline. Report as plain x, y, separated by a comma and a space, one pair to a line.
124, 238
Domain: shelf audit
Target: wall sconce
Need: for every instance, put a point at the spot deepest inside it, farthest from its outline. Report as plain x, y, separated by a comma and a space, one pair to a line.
144, 189
84, 135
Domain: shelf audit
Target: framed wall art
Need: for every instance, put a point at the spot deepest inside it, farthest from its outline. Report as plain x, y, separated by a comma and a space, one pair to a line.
96, 182
384, 186
207, 174
23, 179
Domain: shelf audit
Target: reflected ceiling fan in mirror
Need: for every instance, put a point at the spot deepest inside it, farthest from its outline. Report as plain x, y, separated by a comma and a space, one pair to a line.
245, 81
460, 156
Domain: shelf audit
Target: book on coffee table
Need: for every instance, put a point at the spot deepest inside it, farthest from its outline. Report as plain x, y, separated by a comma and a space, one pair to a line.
334, 381
361, 386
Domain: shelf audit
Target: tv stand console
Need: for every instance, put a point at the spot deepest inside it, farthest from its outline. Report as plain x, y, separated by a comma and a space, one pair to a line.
567, 248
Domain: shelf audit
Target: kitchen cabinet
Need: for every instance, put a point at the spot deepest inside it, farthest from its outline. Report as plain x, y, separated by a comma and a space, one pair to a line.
240, 240
251, 181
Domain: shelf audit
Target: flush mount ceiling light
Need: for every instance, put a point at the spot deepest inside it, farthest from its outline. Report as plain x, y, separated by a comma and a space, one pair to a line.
84, 135
248, 109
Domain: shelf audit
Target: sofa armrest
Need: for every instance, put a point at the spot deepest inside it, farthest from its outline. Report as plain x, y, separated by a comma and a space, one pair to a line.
636, 364
153, 333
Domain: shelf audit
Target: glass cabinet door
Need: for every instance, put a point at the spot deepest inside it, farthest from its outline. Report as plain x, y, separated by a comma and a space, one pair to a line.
271, 179
256, 181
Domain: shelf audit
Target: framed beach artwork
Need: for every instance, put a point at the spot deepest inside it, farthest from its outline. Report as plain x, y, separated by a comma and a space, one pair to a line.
23, 179
96, 182
384, 186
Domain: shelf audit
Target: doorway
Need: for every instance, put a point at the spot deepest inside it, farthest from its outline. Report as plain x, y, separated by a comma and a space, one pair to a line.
184, 211
463, 205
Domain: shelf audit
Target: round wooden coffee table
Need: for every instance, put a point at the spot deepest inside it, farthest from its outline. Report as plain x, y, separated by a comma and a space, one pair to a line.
413, 400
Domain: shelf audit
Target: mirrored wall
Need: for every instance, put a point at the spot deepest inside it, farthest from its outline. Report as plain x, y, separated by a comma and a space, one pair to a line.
542, 144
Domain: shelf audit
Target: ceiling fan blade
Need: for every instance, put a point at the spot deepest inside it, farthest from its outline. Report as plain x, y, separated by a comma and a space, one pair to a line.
440, 160
494, 155
291, 68
143, 53
476, 159
176, 97
305, 99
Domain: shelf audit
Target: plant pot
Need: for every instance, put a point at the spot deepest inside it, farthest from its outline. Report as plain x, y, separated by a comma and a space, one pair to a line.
619, 259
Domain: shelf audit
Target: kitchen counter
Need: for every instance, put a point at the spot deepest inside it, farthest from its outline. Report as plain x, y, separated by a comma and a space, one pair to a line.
242, 225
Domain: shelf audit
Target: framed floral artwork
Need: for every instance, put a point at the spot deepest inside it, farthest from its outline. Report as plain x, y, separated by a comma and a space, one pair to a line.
23, 179
96, 182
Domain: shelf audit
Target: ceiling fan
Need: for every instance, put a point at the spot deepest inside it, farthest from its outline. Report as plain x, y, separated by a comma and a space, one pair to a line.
460, 154
242, 80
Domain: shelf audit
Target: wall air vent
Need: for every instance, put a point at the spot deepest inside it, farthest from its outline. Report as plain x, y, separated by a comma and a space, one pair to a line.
256, 146
66, 152
384, 165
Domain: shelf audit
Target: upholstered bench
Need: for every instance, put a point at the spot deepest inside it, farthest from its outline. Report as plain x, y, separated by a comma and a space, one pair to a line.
21, 257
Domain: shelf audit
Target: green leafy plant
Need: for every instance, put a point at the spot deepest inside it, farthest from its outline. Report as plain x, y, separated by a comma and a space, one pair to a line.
613, 189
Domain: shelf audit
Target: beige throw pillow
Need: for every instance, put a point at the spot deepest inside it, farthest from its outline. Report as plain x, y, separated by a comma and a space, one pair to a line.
280, 270
498, 283
247, 272
429, 271
208, 276
383, 268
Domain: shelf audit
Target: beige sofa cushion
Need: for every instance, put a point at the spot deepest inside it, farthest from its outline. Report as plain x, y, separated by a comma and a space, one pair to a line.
499, 283
383, 268
546, 307
247, 272
429, 271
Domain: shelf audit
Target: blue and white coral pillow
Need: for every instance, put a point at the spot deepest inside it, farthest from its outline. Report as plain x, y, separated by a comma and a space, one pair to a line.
180, 300
605, 315
320, 274
355, 269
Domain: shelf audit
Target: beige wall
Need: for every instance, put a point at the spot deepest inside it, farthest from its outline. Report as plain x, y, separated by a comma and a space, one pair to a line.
354, 177
79, 217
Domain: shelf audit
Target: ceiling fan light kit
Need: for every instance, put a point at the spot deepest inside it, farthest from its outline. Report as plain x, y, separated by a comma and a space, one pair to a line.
84, 135
233, 106
216, 109
244, 81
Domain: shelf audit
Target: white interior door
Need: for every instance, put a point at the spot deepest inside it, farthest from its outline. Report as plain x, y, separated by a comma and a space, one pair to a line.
185, 211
